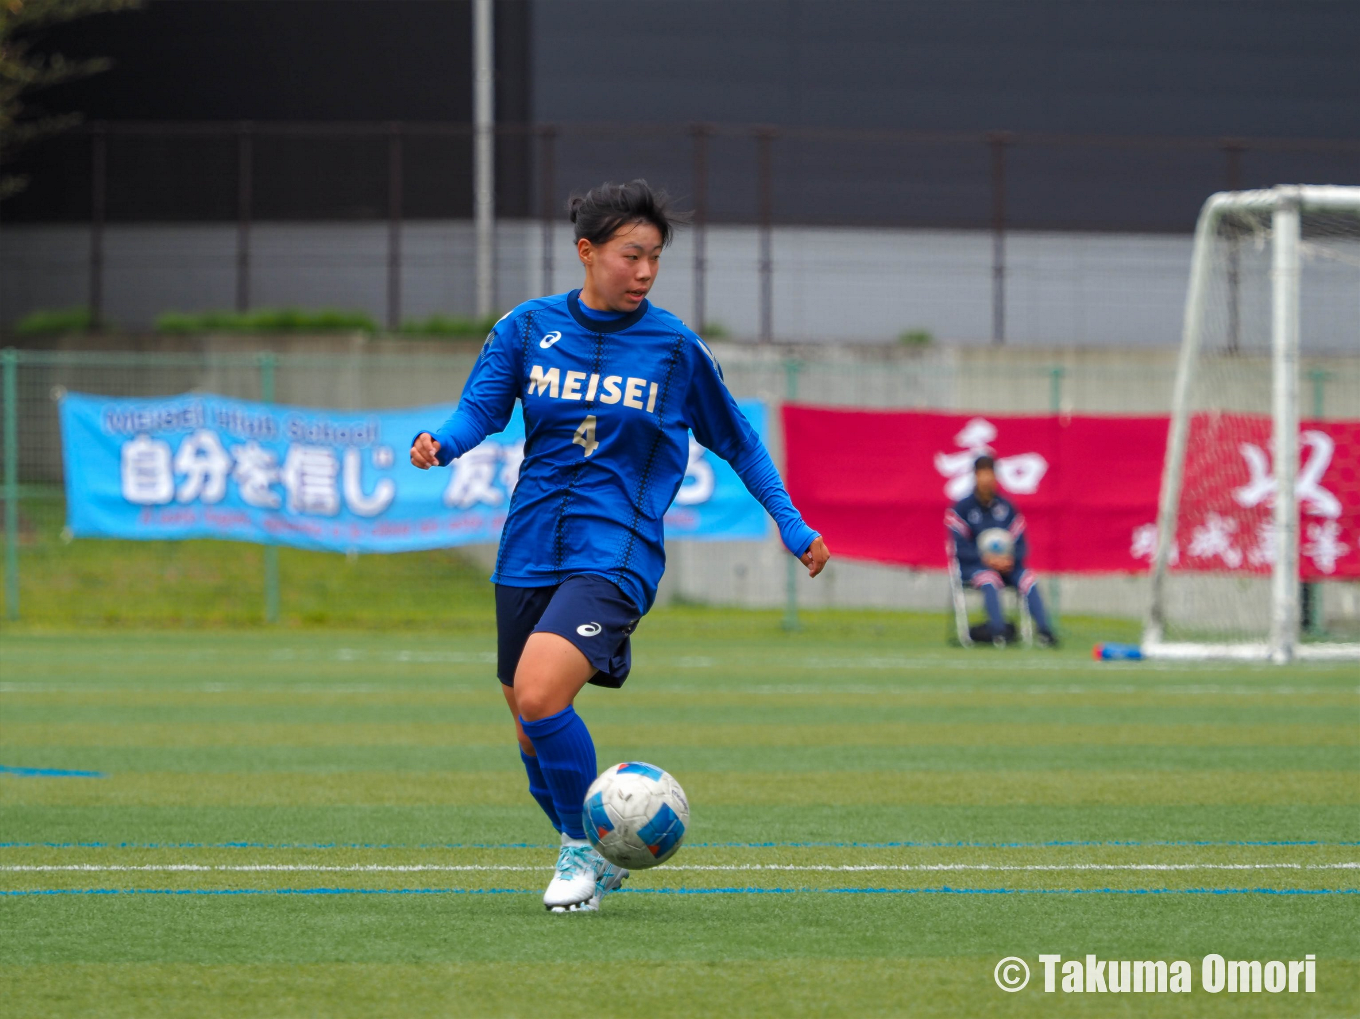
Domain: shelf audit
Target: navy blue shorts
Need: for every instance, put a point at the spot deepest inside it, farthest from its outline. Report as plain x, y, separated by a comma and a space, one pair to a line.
589, 611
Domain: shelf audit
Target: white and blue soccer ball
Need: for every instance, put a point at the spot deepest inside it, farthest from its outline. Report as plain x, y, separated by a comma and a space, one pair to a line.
635, 815
996, 541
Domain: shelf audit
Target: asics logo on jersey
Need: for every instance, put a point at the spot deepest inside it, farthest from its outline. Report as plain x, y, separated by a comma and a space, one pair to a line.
549, 339
716, 366
589, 629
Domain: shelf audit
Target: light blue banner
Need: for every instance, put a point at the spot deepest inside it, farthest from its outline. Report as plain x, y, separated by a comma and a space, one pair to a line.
204, 466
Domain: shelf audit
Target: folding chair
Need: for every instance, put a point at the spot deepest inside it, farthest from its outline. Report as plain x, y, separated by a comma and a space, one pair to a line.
957, 591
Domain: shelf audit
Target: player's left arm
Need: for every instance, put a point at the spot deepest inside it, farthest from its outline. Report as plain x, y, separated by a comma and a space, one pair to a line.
719, 425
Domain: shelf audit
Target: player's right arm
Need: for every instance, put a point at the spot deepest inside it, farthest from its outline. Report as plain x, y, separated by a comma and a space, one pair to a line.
965, 541
484, 408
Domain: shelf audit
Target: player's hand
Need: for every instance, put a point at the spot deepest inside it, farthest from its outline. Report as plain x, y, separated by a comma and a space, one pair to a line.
1000, 563
424, 452
816, 556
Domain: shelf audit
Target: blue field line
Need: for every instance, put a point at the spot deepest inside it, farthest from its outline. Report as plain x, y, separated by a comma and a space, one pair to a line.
1063, 843
6, 769
1059, 843
278, 845
943, 890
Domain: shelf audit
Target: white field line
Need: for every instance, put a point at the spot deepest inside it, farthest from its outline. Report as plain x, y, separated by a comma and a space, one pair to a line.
376, 868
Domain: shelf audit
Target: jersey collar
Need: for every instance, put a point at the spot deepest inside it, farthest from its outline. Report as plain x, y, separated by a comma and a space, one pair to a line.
598, 325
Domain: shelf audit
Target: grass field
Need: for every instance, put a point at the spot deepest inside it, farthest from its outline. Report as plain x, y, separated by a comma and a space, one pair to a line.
172, 584
308, 822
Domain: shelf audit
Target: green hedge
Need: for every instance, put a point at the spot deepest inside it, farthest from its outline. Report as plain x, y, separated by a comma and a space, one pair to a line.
450, 325
50, 321
267, 320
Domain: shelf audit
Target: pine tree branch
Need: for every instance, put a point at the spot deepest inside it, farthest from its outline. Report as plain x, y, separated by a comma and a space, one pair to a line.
23, 70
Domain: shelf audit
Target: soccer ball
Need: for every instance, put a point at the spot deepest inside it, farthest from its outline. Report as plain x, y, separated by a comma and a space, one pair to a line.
996, 541
635, 815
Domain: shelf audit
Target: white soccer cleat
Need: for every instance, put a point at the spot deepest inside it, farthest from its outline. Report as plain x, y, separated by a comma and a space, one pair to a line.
608, 879
573, 885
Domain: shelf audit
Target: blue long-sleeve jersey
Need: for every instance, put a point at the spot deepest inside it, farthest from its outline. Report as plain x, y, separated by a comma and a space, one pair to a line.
607, 406
968, 518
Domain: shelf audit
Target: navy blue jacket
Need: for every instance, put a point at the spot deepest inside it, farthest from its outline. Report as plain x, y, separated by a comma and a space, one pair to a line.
968, 518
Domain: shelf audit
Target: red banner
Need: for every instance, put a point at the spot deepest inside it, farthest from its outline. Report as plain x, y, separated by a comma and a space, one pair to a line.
877, 483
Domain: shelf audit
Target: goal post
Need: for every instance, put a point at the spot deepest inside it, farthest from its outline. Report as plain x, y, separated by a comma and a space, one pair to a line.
1226, 571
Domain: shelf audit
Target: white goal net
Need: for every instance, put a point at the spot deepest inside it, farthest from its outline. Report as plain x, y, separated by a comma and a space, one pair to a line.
1258, 534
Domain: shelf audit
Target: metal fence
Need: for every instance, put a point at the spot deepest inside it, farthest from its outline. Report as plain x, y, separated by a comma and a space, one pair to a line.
391, 178
50, 579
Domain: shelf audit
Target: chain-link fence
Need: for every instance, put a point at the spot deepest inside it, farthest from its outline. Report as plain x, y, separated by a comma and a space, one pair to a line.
51, 579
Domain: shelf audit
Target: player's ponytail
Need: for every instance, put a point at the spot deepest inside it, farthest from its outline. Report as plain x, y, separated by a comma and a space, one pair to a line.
602, 210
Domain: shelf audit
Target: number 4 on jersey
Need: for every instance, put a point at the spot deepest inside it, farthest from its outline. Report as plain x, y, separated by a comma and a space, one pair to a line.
585, 436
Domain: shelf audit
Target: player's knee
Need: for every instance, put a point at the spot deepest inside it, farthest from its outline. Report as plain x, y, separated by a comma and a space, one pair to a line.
549, 673
535, 699
525, 743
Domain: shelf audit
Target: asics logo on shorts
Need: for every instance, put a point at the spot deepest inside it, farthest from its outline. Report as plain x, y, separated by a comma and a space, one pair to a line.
549, 339
589, 629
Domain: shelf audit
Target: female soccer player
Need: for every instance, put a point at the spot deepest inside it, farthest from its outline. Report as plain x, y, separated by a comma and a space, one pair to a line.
611, 386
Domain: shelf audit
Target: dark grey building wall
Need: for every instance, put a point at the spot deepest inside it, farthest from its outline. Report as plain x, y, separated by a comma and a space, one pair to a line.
227, 61
1193, 67
1194, 70
275, 60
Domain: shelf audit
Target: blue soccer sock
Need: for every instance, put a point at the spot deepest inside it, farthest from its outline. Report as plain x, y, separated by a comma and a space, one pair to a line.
1036, 609
566, 756
538, 788
996, 622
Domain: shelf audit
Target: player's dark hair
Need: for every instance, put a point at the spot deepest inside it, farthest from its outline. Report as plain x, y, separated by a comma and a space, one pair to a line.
984, 463
602, 210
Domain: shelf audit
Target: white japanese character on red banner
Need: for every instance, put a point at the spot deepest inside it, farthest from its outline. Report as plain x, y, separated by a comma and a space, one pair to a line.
148, 479
1264, 551
383, 492
1325, 546
1213, 538
310, 477
256, 470
1144, 544
205, 465
1313, 499
1019, 474
474, 475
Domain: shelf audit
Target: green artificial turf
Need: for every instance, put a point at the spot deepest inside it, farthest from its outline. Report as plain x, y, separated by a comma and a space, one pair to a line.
877, 821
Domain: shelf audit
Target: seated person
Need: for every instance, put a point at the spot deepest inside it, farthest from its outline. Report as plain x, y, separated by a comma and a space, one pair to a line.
981, 511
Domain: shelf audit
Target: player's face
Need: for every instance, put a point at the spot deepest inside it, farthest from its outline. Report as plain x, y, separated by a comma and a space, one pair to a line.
621, 271
984, 482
